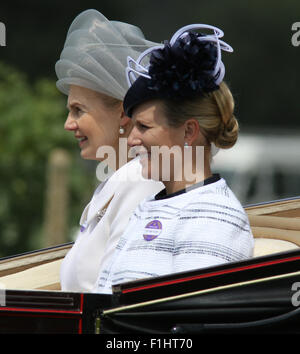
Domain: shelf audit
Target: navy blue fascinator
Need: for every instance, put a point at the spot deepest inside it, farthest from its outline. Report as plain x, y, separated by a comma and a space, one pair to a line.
188, 65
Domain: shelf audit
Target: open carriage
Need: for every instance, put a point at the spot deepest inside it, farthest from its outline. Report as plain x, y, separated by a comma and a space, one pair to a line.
259, 294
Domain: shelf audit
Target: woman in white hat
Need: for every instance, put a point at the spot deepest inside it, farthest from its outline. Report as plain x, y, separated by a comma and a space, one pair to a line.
91, 72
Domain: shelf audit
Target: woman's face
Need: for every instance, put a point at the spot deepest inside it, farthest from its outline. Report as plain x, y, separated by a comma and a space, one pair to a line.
151, 129
91, 119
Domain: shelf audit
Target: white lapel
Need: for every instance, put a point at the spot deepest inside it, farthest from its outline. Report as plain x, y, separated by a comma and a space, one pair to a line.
106, 190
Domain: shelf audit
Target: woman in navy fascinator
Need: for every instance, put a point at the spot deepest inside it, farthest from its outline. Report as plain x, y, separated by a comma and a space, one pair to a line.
178, 102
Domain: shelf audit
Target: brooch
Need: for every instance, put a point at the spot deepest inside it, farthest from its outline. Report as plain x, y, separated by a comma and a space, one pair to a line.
100, 214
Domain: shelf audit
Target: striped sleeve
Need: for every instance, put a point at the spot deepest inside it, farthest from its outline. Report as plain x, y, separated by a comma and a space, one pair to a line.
211, 233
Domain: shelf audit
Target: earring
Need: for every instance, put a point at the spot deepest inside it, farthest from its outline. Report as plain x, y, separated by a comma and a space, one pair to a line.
121, 130
186, 145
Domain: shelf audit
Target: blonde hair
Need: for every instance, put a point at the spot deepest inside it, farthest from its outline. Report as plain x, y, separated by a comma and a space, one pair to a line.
214, 112
110, 102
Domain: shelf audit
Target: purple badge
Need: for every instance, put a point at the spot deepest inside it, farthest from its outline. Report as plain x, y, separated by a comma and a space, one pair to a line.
152, 230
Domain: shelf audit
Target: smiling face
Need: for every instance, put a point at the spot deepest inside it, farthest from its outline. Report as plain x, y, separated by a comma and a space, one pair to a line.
151, 129
94, 118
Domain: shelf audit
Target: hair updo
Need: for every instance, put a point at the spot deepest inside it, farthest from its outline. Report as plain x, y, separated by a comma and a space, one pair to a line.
214, 112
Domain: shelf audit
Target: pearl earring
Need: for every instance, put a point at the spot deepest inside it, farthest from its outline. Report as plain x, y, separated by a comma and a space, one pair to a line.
121, 130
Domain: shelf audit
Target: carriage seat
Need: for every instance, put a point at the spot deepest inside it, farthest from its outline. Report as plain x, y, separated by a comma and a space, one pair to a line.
273, 234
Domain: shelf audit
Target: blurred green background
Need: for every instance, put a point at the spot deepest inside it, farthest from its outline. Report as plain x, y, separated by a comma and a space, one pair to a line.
263, 73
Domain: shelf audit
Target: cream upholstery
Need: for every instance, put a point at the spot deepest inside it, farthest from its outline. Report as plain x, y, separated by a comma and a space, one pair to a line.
264, 246
45, 276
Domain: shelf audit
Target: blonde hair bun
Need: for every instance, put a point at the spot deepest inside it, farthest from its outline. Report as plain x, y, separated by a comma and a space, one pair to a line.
214, 112
229, 127
228, 135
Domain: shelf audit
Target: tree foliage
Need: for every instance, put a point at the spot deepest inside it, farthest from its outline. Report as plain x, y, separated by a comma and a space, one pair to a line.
31, 126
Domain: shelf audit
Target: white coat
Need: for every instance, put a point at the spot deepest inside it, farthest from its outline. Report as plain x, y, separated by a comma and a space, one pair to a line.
98, 237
